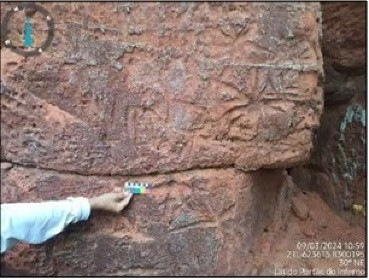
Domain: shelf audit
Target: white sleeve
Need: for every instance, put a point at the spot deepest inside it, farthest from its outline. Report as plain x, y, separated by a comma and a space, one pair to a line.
36, 222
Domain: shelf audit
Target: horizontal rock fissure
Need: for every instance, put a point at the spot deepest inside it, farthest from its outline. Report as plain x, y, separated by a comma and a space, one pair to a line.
68, 172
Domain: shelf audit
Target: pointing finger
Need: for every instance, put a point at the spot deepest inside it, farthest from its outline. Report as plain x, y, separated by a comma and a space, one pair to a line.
127, 194
124, 203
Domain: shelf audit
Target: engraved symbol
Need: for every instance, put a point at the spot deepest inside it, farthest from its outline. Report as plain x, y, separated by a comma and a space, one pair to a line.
267, 84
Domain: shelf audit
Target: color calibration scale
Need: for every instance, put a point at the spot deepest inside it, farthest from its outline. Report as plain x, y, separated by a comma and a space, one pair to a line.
137, 187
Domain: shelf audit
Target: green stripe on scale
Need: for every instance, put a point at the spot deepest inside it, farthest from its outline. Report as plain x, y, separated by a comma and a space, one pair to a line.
136, 187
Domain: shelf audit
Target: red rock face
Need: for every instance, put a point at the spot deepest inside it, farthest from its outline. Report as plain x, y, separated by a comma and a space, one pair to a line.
192, 223
166, 87
337, 169
196, 92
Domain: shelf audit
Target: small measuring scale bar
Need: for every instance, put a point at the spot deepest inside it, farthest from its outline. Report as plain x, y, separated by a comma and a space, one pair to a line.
137, 187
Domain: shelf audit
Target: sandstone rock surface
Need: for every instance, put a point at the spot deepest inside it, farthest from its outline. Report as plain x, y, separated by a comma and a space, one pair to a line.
201, 85
193, 223
197, 98
299, 208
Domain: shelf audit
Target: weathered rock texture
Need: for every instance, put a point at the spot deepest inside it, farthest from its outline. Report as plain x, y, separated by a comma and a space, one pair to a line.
201, 85
193, 223
337, 167
195, 92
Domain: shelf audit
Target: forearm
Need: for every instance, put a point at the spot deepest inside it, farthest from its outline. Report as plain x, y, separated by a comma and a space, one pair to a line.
36, 222
95, 203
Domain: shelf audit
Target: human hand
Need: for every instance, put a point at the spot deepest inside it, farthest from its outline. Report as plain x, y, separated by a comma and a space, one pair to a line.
113, 202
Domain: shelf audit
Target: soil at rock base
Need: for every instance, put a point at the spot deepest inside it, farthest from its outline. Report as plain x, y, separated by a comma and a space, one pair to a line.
273, 251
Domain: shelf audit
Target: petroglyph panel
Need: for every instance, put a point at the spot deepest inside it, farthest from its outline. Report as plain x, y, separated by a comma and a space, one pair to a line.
191, 223
139, 88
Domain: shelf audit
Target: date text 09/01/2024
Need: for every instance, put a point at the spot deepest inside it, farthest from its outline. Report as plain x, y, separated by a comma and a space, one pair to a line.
330, 245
